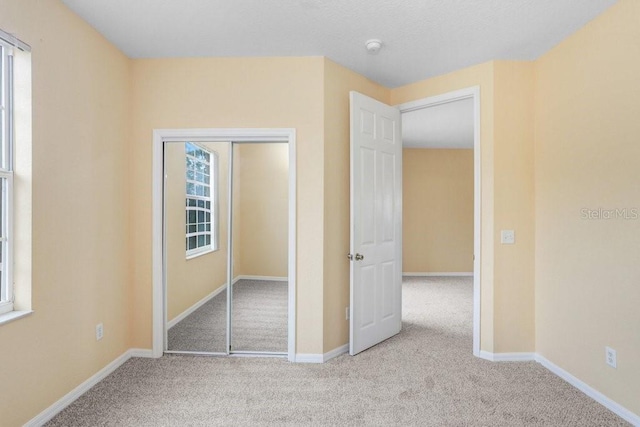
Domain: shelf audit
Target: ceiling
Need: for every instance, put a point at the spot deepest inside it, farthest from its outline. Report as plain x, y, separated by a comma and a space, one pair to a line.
421, 38
448, 125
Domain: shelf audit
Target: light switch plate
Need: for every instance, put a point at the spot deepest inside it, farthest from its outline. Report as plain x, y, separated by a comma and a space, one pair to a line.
508, 237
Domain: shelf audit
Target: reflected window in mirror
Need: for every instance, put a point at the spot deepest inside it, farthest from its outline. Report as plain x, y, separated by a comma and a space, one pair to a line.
201, 200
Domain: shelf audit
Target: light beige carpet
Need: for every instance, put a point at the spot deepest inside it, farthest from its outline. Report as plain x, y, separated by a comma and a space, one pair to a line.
259, 319
425, 376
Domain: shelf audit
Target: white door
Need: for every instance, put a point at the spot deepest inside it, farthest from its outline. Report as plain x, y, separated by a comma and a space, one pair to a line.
376, 223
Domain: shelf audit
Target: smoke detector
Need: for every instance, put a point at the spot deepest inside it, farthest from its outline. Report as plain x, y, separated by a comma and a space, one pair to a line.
373, 46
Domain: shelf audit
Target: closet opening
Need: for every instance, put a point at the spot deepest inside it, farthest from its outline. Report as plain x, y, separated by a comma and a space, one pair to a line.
227, 265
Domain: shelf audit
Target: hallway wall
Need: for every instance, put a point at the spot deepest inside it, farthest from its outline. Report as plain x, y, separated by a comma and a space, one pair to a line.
437, 210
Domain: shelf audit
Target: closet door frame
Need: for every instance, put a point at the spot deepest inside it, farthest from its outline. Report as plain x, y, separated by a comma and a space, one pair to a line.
160, 136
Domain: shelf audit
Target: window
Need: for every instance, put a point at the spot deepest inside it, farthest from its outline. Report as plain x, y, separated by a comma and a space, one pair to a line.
201, 200
6, 175
15, 159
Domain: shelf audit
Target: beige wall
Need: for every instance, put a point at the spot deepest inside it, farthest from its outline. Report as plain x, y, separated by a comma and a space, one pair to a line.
80, 219
437, 210
338, 81
261, 216
587, 156
190, 280
228, 93
513, 284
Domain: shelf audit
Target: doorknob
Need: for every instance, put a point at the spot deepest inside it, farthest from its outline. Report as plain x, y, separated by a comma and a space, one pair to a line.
358, 257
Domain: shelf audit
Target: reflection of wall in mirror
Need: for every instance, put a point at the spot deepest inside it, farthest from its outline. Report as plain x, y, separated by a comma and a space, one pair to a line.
190, 280
261, 209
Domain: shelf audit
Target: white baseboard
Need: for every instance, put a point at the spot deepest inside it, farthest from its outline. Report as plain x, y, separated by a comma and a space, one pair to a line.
438, 274
614, 407
195, 306
308, 358
268, 278
321, 358
507, 357
335, 352
70, 397
142, 352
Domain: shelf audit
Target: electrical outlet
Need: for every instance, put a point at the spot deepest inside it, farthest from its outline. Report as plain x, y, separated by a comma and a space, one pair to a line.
508, 237
346, 313
99, 331
611, 357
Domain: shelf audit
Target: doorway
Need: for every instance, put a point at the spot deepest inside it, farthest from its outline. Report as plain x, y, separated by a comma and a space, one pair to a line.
448, 100
211, 296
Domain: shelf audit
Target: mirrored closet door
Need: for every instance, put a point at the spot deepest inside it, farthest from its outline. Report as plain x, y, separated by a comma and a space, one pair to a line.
260, 247
226, 210
196, 197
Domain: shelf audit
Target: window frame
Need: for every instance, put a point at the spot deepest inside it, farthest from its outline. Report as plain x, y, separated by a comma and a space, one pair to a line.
15, 137
6, 175
212, 198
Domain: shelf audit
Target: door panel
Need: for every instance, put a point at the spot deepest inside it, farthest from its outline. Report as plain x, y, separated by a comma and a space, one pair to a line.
376, 222
367, 198
388, 291
387, 196
367, 317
